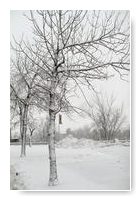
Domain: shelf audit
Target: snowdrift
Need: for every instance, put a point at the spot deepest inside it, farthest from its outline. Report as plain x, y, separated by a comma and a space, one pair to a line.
70, 141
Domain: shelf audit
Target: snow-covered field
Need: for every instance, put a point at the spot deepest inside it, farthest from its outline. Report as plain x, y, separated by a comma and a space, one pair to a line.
98, 167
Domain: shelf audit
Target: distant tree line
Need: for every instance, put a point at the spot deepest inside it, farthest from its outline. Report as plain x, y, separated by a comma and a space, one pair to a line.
87, 132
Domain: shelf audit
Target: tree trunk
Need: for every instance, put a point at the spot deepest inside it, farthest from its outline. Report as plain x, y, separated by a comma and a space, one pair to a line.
10, 133
53, 179
30, 136
23, 145
30, 141
23, 131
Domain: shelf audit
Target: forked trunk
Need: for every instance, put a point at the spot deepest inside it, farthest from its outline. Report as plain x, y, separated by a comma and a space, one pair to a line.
53, 179
23, 130
30, 136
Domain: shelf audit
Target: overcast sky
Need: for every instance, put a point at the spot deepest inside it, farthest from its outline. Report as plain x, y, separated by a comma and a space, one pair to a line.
114, 86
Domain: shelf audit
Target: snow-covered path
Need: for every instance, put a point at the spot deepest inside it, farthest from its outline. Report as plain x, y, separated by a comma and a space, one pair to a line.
104, 168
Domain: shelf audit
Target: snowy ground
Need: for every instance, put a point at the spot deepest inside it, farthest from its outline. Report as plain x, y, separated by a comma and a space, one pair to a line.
100, 167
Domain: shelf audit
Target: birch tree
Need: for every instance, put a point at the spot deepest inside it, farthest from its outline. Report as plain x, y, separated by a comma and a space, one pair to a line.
74, 48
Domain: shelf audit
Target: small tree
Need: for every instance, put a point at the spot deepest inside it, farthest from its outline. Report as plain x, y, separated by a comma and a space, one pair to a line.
31, 126
107, 118
68, 131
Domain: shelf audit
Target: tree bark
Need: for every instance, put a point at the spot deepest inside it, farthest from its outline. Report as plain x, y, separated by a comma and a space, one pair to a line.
23, 131
30, 136
53, 179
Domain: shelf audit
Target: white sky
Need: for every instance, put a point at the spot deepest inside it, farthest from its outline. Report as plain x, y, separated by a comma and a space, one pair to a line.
120, 89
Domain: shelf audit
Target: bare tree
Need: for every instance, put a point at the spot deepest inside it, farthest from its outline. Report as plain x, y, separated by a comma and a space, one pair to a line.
31, 127
14, 116
74, 48
22, 85
107, 118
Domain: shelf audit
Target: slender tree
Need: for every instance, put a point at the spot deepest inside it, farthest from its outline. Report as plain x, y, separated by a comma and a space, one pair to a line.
32, 125
74, 48
22, 85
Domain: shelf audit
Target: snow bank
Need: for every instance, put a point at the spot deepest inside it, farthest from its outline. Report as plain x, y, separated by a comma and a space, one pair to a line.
67, 142
70, 141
